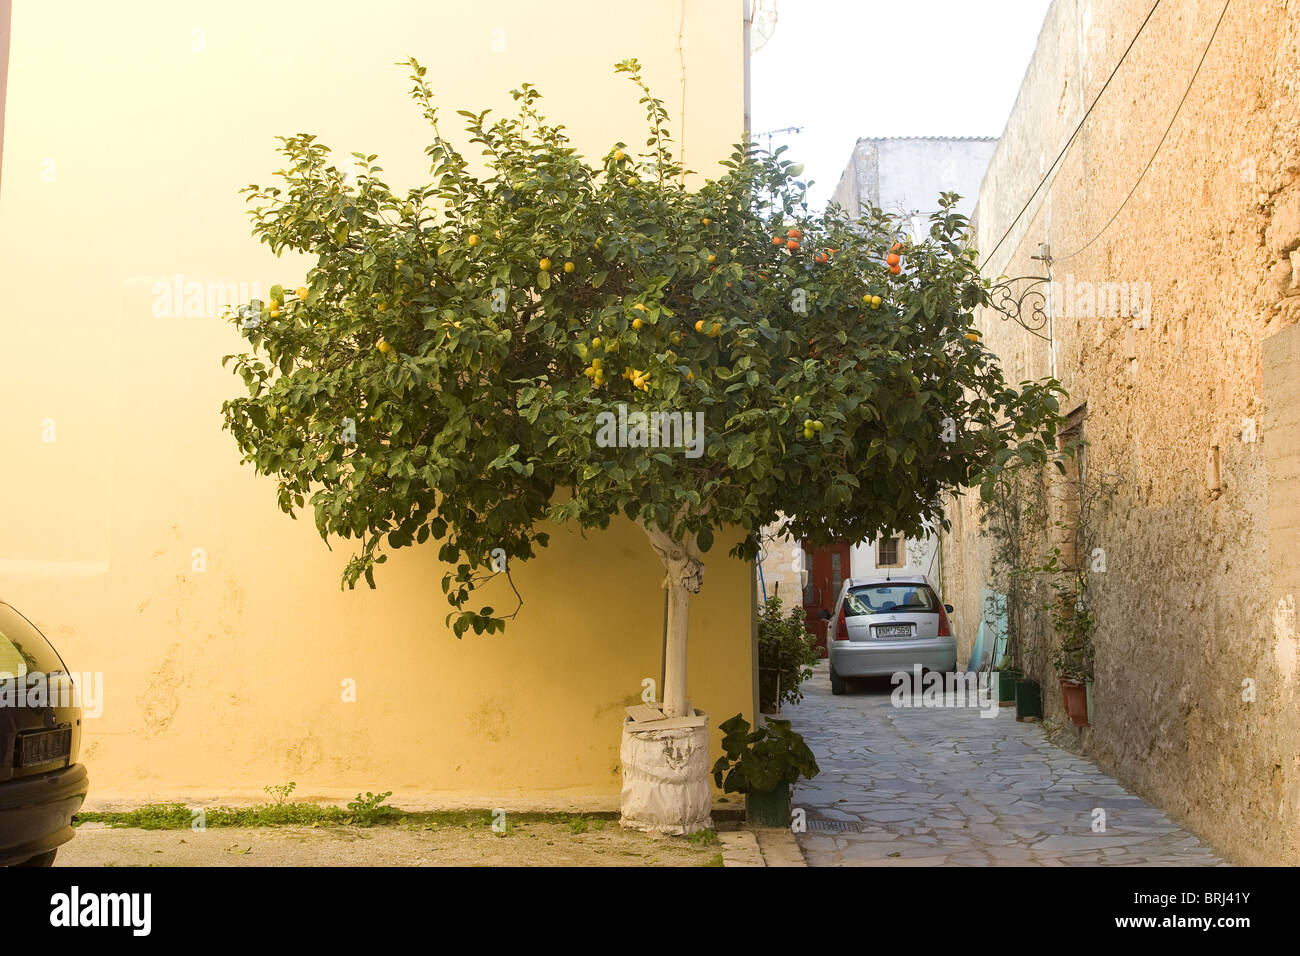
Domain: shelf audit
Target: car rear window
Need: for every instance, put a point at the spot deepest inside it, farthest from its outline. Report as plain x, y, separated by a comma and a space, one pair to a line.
890, 598
22, 648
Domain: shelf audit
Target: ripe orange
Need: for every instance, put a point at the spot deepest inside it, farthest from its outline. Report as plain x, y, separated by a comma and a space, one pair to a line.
712, 257
699, 325
792, 244
892, 259
776, 240
706, 220
301, 292
795, 234
895, 269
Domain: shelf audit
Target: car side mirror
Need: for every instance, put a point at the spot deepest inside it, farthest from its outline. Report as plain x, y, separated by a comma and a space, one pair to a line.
948, 608
824, 614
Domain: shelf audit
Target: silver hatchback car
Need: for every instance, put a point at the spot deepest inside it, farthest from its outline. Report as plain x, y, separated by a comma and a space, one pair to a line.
882, 625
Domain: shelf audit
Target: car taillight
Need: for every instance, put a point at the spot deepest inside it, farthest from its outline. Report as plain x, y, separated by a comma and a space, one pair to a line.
943, 623
841, 627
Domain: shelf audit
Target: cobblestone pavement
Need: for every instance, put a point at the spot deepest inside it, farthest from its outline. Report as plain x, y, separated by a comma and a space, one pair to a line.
945, 786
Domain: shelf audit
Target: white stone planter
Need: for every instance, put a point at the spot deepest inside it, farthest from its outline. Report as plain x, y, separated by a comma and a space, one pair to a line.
666, 776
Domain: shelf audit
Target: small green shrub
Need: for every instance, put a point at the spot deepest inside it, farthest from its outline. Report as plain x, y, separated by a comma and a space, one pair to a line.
786, 653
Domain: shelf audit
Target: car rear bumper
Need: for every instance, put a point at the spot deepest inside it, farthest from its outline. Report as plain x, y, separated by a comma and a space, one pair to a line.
36, 812
882, 658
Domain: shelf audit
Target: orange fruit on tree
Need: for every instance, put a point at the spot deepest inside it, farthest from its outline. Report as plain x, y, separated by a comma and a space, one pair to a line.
301, 292
699, 325
777, 240
795, 234
544, 264
792, 244
895, 269
892, 258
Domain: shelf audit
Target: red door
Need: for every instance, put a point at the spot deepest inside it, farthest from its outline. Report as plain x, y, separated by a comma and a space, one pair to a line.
827, 567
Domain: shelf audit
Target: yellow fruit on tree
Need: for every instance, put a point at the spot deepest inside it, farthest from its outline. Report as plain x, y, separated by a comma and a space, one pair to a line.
595, 343
384, 347
568, 267
301, 292
618, 155
637, 323
544, 264
472, 240
699, 325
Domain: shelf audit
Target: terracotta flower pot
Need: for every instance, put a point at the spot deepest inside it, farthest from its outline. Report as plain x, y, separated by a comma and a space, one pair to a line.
1075, 698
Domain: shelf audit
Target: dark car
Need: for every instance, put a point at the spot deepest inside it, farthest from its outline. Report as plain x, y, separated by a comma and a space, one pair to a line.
41, 783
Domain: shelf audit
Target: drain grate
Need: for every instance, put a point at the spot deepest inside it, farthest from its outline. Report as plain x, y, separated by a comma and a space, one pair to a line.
833, 826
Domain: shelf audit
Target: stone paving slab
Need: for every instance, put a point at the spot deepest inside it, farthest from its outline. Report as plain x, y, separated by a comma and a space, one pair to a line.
945, 786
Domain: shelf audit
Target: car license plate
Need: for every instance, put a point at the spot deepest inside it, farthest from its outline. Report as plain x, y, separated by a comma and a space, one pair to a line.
894, 630
43, 746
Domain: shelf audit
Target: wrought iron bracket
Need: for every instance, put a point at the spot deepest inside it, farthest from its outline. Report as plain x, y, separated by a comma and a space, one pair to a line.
1023, 300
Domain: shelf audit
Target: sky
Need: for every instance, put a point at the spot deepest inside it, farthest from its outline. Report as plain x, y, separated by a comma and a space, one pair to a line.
844, 69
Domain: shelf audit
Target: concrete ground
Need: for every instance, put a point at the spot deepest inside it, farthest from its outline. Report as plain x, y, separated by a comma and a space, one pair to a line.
946, 786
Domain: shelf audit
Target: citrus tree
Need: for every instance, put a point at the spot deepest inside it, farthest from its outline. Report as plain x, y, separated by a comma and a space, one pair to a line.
550, 338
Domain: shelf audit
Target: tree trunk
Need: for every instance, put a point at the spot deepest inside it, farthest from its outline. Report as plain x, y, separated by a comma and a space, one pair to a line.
684, 576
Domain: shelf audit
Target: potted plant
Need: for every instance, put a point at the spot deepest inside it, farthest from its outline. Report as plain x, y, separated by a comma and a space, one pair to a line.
786, 654
1008, 674
763, 765
1074, 624
1029, 699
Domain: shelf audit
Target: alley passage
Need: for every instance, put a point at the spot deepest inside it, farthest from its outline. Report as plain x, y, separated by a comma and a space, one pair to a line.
935, 786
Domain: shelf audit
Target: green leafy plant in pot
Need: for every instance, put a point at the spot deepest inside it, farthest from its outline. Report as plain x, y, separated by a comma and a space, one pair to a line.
786, 654
763, 765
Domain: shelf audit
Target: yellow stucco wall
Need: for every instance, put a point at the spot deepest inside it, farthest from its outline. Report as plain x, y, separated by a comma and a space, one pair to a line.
122, 164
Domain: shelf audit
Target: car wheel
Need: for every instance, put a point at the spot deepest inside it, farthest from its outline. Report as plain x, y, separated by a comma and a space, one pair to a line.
41, 859
837, 682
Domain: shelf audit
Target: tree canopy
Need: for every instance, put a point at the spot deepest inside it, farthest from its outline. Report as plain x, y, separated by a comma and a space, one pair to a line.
452, 365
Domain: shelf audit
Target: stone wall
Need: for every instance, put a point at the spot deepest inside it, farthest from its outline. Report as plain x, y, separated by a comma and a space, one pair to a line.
1190, 397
